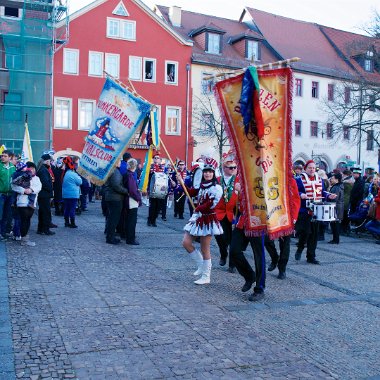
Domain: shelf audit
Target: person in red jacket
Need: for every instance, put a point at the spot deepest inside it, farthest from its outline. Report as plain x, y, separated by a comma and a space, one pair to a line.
225, 209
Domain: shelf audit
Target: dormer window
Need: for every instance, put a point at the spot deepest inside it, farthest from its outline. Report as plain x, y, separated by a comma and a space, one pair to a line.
252, 50
368, 61
213, 43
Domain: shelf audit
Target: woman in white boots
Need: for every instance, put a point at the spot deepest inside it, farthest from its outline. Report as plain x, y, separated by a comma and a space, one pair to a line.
204, 223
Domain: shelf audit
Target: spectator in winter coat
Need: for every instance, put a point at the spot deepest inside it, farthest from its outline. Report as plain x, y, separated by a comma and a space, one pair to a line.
337, 188
45, 173
132, 202
357, 191
70, 192
25, 210
348, 182
373, 226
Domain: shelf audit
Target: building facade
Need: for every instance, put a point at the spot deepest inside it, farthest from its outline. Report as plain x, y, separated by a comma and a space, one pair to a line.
128, 41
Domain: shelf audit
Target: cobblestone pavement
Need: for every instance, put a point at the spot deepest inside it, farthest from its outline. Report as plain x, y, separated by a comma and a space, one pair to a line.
74, 307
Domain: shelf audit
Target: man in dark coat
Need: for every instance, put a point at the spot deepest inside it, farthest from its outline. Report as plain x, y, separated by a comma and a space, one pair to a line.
357, 191
46, 176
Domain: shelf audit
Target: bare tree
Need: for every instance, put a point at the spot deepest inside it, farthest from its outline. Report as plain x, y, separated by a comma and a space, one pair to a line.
354, 108
208, 123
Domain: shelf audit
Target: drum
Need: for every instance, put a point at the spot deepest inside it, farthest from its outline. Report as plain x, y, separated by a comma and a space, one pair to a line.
197, 176
158, 186
324, 211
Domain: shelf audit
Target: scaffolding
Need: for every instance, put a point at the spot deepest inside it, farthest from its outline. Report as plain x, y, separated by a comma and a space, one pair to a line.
29, 37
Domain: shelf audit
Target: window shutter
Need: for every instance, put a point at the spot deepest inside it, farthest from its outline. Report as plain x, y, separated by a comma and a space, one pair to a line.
206, 42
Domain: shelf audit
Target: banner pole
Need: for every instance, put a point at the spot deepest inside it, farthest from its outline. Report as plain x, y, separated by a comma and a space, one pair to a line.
178, 176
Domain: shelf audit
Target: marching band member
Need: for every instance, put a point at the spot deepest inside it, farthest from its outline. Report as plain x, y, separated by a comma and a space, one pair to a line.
155, 204
179, 194
225, 209
310, 187
204, 223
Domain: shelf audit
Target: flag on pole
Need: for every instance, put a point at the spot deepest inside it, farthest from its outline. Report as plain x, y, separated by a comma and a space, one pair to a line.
2, 148
155, 128
26, 154
144, 179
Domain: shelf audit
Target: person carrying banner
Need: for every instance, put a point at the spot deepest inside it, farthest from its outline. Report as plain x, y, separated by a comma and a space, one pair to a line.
204, 223
114, 193
225, 209
310, 187
179, 195
155, 204
281, 260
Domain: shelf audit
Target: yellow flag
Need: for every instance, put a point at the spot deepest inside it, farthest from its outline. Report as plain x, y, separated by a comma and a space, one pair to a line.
26, 154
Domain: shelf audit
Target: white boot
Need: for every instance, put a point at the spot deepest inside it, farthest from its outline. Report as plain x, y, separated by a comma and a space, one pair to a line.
26, 242
197, 257
205, 278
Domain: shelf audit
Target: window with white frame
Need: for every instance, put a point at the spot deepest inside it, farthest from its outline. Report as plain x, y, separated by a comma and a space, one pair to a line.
252, 50
173, 121
208, 83
71, 61
298, 87
314, 129
213, 43
86, 109
10, 12
121, 29
135, 68
149, 70
95, 63
297, 127
314, 89
171, 72
112, 64
62, 113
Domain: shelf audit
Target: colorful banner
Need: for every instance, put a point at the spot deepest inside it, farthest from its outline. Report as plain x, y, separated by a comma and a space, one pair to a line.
26, 154
117, 117
264, 164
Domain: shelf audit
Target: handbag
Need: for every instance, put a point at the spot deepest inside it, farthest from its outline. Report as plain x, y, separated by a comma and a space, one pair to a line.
133, 203
372, 210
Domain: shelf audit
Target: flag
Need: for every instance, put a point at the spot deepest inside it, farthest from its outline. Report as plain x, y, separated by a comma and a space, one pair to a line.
144, 179
265, 168
2, 148
155, 128
118, 115
26, 154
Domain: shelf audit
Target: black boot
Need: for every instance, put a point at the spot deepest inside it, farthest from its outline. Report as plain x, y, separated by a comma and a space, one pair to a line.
67, 223
72, 223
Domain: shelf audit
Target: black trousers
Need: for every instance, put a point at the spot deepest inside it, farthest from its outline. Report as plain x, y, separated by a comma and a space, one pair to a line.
163, 207
345, 224
335, 229
239, 243
179, 204
224, 240
307, 230
130, 224
155, 205
25, 214
282, 259
44, 214
114, 211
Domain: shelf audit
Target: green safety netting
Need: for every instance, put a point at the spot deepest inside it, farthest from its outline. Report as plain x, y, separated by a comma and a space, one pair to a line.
27, 45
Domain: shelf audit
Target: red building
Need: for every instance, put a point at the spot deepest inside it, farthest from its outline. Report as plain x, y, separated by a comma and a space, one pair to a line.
129, 41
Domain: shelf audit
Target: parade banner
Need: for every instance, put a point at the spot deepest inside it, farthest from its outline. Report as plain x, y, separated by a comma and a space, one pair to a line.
117, 117
26, 154
264, 164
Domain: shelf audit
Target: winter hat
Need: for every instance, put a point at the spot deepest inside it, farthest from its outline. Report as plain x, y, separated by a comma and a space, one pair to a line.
46, 156
356, 170
68, 161
20, 165
308, 163
210, 164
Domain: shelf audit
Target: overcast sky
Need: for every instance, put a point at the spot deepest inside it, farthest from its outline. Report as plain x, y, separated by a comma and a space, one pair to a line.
348, 15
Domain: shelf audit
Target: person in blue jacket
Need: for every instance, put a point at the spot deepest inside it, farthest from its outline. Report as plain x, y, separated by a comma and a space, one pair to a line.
70, 192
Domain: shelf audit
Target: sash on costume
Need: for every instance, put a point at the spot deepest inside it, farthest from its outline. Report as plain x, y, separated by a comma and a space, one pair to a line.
117, 117
264, 164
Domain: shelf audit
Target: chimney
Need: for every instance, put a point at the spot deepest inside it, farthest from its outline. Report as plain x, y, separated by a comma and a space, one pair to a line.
175, 15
